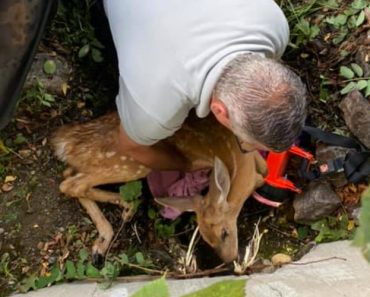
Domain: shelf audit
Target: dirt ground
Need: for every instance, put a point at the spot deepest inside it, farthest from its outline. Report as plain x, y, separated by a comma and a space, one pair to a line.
39, 227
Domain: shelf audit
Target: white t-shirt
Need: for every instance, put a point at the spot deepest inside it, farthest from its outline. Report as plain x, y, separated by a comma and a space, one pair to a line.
172, 52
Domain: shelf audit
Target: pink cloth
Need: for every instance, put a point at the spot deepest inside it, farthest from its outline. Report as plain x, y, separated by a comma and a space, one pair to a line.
177, 184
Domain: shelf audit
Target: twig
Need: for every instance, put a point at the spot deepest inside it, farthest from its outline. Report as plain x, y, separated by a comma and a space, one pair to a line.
134, 227
318, 261
207, 272
191, 248
114, 239
145, 269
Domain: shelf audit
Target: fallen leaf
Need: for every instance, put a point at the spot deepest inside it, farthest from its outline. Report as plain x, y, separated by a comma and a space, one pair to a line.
7, 187
64, 86
10, 178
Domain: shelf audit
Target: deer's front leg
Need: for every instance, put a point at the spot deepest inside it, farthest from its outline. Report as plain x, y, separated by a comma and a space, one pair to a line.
104, 228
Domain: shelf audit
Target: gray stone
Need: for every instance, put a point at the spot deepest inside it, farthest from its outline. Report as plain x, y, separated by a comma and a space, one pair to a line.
356, 113
316, 202
328, 270
328, 152
52, 83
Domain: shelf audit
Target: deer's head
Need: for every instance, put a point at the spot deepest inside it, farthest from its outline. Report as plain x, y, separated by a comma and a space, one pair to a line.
216, 217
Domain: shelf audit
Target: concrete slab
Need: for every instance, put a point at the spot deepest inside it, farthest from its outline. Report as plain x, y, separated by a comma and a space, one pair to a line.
349, 275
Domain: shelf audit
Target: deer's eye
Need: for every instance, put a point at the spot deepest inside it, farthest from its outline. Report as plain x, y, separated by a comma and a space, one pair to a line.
224, 234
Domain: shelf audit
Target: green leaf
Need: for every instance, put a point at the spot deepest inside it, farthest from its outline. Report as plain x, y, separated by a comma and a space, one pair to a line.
80, 270
96, 55
28, 283
157, 288
123, 259
91, 271
55, 275
362, 236
367, 91
110, 271
19, 139
3, 148
348, 88
340, 36
314, 31
357, 69
346, 72
50, 67
234, 288
49, 97
304, 26
130, 191
331, 229
84, 51
360, 19
358, 4
84, 255
70, 270
152, 213
361, 84
139, 258
337, 21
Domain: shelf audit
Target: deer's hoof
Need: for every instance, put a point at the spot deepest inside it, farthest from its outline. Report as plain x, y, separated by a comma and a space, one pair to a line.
98, 260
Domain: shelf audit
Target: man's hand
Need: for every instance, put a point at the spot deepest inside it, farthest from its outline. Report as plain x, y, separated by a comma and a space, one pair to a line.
159, 156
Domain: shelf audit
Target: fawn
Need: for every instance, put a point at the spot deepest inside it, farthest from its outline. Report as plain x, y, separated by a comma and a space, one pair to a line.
90, 150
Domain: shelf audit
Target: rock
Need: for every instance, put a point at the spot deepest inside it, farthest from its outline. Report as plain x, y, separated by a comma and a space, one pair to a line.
53, 83
356, 112
317, 201
327, 152
2, 231
280, 259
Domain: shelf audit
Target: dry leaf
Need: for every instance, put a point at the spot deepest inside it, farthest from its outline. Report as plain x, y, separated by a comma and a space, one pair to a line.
10, 178
7, 187
64, 86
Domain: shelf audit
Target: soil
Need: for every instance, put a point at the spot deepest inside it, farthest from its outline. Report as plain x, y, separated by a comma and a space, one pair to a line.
40, 227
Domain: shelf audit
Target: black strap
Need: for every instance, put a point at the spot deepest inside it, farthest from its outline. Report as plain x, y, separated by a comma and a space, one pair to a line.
356, 164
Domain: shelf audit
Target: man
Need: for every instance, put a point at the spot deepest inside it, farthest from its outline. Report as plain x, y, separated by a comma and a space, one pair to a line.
213, 56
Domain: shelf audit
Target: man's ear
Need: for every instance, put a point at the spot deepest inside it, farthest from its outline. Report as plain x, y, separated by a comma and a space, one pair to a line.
181, 203
220, 112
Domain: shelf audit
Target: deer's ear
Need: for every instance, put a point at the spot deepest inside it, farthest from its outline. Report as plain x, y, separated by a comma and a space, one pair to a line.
222, 178
181, 203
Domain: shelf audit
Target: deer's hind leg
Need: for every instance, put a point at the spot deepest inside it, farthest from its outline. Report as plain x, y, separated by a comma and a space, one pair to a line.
81, 186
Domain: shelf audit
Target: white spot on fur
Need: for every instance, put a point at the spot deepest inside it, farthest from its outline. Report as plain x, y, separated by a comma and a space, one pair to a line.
60, 151
116, 167
123, 158
100, 156
109, 154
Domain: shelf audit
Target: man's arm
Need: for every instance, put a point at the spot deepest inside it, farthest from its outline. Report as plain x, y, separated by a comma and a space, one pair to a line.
158, 156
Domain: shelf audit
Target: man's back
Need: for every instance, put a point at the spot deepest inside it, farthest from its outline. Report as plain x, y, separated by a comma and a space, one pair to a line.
172, 52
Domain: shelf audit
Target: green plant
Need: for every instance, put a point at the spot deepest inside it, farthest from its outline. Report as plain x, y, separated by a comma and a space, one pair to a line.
362, 235
4, 267
38, 94
83, 269
332, 229
351, 18
355, 79
131, 193
73, 24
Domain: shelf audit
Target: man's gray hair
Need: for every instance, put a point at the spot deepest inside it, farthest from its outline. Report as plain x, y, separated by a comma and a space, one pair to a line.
266, 101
